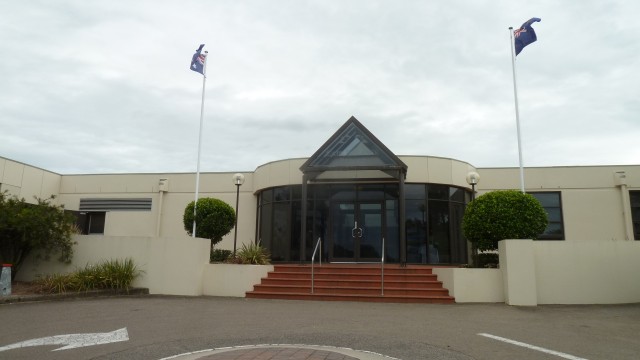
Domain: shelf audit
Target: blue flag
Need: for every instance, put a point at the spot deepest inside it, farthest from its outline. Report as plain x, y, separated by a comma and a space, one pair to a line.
197, 61
525, 35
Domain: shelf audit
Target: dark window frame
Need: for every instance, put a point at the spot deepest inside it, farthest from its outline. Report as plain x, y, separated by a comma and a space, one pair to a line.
561, 235
635, 212
90, 222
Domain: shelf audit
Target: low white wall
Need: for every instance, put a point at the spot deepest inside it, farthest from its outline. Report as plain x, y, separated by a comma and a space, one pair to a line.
472, 285
560, 272
572, 272
232, 279
171, 265
517, 261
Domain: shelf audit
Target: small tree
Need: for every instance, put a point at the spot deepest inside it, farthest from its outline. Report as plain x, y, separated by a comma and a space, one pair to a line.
42, 228
214, 219
504, 214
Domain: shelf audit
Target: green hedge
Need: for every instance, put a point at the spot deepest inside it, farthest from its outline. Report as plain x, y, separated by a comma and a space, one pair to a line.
504, 214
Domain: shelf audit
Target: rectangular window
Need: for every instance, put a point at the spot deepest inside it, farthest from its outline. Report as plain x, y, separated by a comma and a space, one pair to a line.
552, 204
90, 222
635, 212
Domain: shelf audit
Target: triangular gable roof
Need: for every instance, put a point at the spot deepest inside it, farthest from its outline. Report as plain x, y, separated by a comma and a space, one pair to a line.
353, 147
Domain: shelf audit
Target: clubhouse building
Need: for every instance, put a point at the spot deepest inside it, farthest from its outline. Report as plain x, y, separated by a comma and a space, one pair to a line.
352, 193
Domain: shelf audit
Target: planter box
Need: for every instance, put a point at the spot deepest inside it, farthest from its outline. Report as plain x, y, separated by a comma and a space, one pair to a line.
232, 279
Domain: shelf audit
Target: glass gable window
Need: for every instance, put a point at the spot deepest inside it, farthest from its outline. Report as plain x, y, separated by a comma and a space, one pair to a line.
635, 212
352, 148
552, 204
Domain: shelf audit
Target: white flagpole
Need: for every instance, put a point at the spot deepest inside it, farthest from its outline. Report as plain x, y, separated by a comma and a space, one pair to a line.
195, 204
515, 94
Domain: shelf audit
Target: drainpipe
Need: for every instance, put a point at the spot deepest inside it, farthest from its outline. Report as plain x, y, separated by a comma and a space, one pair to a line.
163, 186
620, 179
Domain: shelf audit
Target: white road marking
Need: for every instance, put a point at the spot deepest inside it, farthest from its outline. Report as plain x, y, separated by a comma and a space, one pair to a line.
362, 354
72, 341
533, 347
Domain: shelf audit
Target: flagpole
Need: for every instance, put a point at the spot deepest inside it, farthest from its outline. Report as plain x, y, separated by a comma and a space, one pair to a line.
195, 203
515, 95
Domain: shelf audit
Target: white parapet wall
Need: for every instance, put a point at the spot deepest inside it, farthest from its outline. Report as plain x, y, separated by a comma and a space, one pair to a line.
517, 261
170, 265
232, 279
472, 285
596, 272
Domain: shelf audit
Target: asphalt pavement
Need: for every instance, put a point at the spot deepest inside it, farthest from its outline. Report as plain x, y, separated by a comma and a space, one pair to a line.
213, 328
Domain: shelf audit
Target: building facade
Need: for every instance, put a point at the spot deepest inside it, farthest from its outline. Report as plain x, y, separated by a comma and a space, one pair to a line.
353, 193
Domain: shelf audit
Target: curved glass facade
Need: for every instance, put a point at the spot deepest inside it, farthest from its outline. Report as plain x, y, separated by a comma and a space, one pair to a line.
351, 219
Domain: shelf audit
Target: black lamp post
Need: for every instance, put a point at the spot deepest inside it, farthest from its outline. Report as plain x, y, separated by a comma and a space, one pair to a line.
473, 178
238, 180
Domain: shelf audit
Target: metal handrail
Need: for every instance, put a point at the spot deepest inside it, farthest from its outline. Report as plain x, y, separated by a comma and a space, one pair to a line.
313, 260
382, 270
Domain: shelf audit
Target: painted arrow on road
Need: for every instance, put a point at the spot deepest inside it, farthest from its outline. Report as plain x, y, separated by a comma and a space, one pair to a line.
72, 341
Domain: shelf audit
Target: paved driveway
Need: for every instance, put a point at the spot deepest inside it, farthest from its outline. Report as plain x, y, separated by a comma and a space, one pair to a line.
203, 327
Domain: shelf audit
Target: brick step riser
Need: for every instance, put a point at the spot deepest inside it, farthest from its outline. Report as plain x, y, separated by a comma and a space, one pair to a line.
351, 291
356, 277
353, 283
386, 299
354, 270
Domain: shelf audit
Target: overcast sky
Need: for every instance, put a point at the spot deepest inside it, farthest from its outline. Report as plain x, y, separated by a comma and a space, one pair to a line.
105, 86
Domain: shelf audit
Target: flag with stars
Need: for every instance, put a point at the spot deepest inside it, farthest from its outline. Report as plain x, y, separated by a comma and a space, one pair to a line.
197, 61
525, 35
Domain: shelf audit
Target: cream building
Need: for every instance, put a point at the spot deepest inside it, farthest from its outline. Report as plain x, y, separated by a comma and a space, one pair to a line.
357, 192
585, 203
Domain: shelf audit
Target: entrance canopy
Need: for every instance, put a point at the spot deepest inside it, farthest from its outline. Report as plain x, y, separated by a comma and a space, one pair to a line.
353, 152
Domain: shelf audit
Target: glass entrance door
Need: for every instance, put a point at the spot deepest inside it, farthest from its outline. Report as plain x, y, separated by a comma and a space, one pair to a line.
356, 231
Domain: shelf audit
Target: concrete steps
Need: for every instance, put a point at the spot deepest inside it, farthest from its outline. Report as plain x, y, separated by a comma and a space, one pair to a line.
353, 282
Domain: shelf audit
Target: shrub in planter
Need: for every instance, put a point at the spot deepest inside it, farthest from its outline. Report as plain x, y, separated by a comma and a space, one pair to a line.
488, 260
504, 214
112, 274
219, 255
214, 219
253, 254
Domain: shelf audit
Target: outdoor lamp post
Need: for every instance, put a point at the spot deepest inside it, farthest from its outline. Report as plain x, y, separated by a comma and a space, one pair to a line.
238, 180
473, 178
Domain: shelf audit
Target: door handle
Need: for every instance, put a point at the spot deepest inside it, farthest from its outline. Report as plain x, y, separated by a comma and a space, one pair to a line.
356, 232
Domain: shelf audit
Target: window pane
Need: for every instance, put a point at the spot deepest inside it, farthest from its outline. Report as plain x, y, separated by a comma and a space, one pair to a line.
392, 239
371, 192
456, 194
552, 205
296, 192
554, 214
267, 196
554, 229
281, 194
414, 191
635, 212
265, 225
96, 222
548, 199
280, 242
416, 230
438, 192
438, 250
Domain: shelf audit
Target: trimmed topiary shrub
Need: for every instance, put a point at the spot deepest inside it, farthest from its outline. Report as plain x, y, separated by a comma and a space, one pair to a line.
504, 214
214, 219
